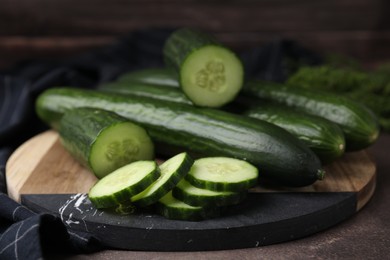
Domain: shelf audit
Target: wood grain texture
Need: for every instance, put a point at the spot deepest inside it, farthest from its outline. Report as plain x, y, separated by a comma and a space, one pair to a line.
44, 28
86, 17
42, 166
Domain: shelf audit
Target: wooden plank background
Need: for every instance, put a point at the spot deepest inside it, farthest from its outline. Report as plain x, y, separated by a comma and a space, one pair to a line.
57, 28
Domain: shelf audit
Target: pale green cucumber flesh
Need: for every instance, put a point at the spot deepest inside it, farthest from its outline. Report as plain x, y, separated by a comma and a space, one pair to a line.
222, 174
119, 186
211, 76
119, 145
172, 171
102, 140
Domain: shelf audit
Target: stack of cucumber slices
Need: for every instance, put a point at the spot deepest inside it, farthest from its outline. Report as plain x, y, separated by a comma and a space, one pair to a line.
179, 188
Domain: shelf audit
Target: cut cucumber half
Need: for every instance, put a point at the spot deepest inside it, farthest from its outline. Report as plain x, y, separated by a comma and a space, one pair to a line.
102, 140
172, 171
222, 174
117, 147
172, 208
195, 196
210, 74
119, 186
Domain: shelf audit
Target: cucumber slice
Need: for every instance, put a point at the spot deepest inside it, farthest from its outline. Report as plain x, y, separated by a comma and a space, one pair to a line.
222, 174
210, 74
195, 196
102, 140
172, 208
172, 171
119, 186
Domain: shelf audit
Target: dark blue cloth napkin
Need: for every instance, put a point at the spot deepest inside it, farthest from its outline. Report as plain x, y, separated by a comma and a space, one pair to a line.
27, 235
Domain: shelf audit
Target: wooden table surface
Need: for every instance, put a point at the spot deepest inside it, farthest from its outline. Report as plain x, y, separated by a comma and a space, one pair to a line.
49, 29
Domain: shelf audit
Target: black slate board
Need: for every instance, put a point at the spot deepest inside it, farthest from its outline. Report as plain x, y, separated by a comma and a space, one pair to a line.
278, 218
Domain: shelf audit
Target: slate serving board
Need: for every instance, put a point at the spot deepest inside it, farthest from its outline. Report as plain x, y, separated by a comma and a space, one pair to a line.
45, 178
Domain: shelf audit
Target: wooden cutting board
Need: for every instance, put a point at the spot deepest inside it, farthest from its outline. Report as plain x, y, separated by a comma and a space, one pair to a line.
45, 178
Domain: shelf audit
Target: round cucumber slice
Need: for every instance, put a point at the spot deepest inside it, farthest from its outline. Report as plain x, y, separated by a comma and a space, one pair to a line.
102, 140
118, 145
222, 174
211, 76
172, 171
172, 208
119, 186
195, 196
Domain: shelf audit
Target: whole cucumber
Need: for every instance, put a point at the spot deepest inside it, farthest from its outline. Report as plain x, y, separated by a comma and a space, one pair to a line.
359, 124
280, 156
325, 138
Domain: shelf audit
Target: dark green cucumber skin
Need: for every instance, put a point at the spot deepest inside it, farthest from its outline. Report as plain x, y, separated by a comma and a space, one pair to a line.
80, 128
181, 43
147, 90
154, 76
359, 124
321, 135
188, 214
279, 155
218, 201
325, 138
221, 186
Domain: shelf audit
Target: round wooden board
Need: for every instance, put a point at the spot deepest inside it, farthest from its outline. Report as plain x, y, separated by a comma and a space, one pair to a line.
45, 178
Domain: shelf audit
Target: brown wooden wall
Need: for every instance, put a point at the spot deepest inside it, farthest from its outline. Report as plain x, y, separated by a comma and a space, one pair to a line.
56, 28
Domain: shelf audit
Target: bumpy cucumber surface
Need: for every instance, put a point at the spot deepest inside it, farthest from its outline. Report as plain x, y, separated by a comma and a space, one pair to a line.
172, 171
324, 137
359, 124
154, 76
119, 186
102, 140
210, 74
147, 90
280, 156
